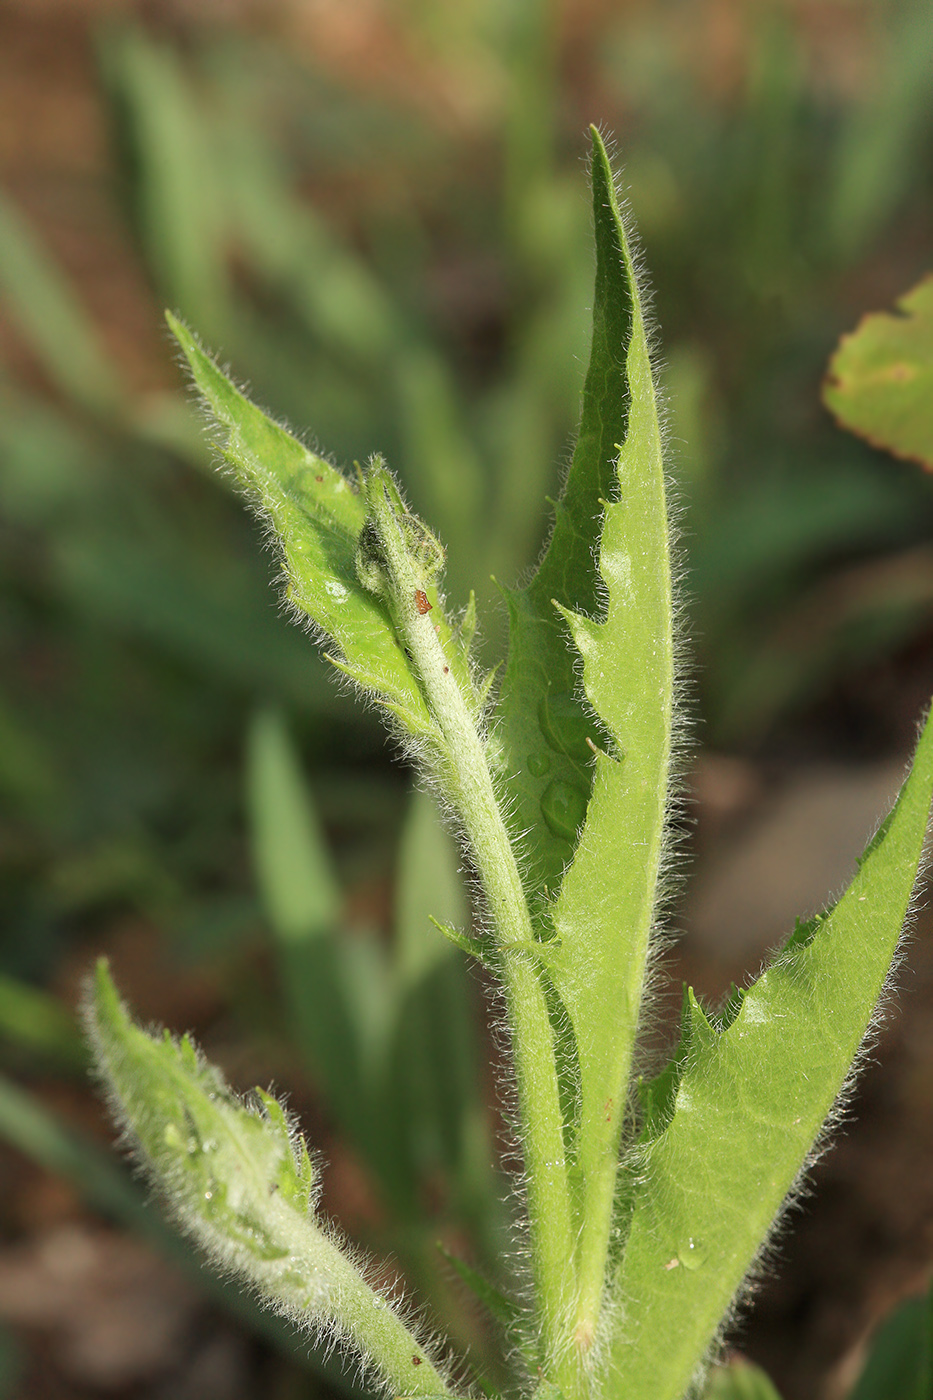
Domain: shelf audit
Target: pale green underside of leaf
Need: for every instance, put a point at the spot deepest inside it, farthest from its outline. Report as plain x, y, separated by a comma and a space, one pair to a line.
317, 514
619, 619
751, 1102
880, 380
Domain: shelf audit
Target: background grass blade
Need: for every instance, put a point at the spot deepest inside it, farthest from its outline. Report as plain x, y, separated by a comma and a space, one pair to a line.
56, 325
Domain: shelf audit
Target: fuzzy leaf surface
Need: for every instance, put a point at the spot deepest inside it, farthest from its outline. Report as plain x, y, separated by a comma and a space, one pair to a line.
317, 515
754, 1092
596, 818
880, 381
241, 1183
216, 1158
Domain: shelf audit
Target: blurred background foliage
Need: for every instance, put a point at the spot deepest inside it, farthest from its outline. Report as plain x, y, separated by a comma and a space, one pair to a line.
375, 211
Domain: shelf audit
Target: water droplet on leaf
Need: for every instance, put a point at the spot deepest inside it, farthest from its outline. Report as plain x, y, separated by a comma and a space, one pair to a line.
692, 1254
563, 808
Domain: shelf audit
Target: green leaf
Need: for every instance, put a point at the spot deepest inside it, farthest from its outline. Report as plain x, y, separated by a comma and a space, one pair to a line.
318, 516
241, 1183
900, 1362
740, 1381
614, 738
880, 381
27, 1126
543, 721
751, 1101
219, 1160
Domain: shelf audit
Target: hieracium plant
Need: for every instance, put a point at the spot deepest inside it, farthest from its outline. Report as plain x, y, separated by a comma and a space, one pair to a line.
647, 1201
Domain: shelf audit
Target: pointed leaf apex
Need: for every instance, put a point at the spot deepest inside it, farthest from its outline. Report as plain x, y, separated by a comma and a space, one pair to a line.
702, 1030
474, 946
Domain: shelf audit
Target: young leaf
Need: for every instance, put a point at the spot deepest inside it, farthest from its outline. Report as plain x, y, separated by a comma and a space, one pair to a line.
880, 381
364, 570
241, 1183
751, 1101
601, 849
318, 516
30, 1128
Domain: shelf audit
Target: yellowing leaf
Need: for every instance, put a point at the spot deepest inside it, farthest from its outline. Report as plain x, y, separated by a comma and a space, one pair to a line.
880, 381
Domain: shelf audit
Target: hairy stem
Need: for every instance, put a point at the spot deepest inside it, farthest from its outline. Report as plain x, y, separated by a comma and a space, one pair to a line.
468, 784
362, 1314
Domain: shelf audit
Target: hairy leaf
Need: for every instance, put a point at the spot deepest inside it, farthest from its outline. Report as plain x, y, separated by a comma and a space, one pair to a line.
754, 1092
220, 1161
318, 516
880, 381
241, 1183
601, 848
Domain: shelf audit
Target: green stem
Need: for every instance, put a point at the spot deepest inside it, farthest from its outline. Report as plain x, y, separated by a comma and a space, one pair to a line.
469, 784
364, 1315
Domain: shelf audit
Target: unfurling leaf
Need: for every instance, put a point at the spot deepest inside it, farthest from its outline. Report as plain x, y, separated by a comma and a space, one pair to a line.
241, 1183
322, 524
